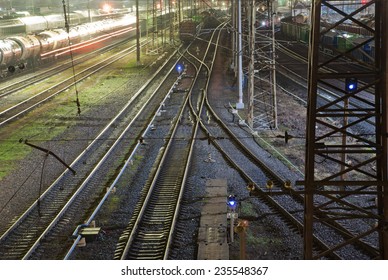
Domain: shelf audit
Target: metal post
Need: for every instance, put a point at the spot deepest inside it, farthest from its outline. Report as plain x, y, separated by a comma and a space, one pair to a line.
243, 244
179, 13
273, 64
240, 104
232, 227
137, 34
310, 163
233, 14
344, 142
251, 83
384, 76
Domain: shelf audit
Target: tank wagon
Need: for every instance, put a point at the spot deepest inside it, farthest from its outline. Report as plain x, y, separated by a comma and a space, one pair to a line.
20, 50
34, 24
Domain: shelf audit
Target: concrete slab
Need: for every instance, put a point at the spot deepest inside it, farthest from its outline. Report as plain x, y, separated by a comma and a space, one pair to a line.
213, 220
213, 251
212, 234
214, 208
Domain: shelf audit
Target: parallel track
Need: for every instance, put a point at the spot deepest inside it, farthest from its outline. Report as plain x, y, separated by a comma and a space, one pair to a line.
36, 100
67, 200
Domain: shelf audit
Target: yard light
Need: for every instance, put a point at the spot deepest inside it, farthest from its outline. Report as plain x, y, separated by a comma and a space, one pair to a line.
179, 68
350, 84
231, 202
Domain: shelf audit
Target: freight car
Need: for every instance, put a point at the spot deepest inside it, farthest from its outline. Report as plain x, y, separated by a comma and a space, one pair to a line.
187, 30
16, 52
332, 41
35, 24
20, 51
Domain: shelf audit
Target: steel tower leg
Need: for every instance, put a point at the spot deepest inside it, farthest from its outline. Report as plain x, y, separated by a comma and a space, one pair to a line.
346, 145
384, 91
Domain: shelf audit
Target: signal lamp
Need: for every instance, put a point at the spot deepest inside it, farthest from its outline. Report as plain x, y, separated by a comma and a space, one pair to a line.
179, 68
231, 202
351, 84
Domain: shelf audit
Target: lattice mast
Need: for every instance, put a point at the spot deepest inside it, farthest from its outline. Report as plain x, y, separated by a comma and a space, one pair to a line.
346, 154
262, 107
152, 27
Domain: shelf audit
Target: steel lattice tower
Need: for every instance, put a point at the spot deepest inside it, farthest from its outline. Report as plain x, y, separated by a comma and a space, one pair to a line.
262, 105
347, 132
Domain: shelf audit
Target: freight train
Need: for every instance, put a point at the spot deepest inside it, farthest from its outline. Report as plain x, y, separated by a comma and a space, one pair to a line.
188, 30
34, 24
18, 51
38, 43
332, 41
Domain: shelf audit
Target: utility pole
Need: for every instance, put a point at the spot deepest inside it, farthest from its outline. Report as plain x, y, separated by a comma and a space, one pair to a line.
137, 34
251, 72
240, 104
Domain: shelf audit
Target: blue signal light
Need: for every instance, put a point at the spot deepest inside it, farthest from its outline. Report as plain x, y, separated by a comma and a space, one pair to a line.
231, 201
179, 68
351, 84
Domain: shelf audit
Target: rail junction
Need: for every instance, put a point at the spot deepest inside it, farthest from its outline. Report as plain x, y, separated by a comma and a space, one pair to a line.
232, 130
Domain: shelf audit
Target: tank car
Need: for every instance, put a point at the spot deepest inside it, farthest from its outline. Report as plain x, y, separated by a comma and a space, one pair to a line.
78, 34
29, 45
10, 52
58, 37
42, 44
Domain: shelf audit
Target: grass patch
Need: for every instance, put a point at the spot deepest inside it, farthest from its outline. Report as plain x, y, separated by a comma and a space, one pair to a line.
247, 209
51, 120
254, 240
55, 117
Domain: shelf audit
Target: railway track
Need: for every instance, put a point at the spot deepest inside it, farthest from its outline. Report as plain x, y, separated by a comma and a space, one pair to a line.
65, 203
262, 181
15, 111
151, 230
149, 234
